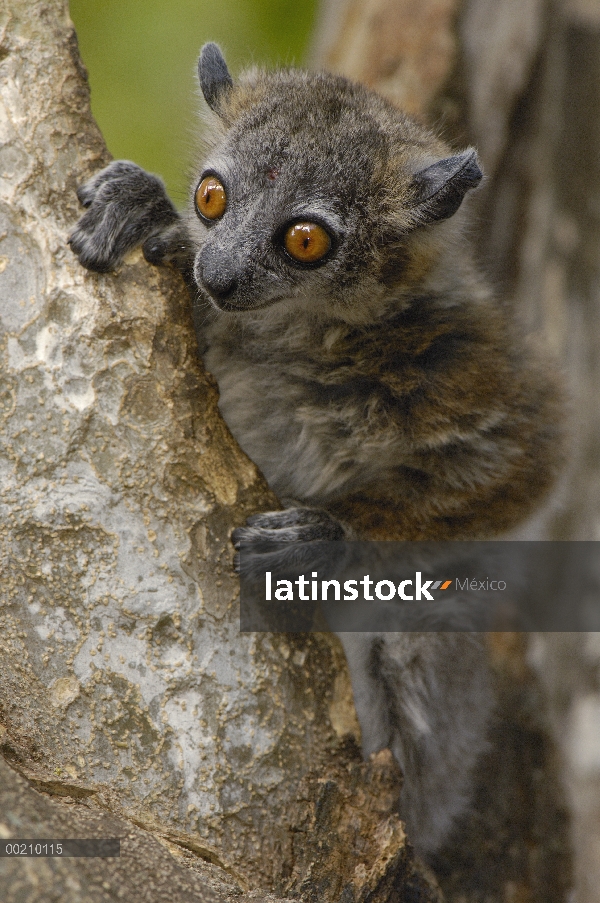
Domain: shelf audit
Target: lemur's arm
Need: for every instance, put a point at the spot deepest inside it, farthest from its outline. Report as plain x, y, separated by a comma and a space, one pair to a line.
127, 207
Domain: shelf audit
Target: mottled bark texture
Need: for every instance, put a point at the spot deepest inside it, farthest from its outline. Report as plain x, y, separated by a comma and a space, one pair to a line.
521, 81
125, 684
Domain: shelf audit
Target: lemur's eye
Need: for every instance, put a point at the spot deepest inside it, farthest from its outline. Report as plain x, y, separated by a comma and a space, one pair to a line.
306, 242
211, 199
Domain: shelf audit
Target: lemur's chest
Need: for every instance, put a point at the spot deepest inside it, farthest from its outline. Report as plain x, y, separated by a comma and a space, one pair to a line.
312, 441
278, 430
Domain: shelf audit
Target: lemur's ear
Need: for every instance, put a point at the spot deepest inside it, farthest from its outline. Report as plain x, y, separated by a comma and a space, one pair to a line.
441, 187
213, 75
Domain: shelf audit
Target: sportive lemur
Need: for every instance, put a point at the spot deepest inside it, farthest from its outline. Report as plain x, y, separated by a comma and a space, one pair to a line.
362, 363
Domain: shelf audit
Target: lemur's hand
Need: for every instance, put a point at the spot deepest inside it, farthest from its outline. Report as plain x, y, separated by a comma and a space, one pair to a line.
292, 537
126, 207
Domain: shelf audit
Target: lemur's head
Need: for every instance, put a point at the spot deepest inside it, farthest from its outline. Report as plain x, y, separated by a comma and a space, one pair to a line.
316, 191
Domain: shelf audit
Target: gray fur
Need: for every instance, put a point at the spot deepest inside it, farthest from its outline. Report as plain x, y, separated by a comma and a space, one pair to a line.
126, 206
213, 75
443, 185
360, 385
428, 697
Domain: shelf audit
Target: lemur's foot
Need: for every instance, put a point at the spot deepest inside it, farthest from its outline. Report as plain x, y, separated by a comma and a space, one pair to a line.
290, 525
281, 539
125, 207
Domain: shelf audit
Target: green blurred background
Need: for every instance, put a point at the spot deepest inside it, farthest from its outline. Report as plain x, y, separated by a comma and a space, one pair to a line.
141, 57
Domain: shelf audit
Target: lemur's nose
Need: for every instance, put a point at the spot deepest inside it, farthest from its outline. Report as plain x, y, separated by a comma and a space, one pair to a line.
213, 273
218, 285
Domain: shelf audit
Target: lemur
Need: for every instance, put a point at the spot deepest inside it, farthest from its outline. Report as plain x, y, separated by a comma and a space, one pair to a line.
362, 362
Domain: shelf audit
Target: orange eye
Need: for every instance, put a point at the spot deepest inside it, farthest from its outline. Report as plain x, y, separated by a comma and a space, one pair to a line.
306, 242
211, 199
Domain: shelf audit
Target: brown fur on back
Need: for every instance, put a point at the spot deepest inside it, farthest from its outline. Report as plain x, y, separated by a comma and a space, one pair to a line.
388, 386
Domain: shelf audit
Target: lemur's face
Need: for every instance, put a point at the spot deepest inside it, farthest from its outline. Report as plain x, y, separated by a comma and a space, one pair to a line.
285, 206
313, 191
